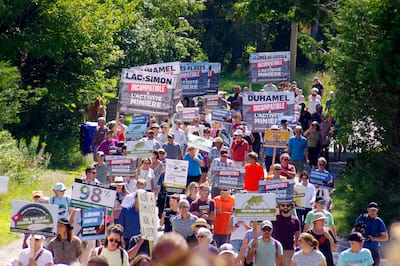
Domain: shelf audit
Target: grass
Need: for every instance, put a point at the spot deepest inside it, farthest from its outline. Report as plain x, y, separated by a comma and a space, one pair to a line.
23, 192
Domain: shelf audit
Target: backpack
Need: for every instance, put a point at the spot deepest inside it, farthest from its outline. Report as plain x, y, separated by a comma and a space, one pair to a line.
120, 250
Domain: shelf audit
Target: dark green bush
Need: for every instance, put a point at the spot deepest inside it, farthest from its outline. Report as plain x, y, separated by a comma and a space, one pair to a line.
372, 176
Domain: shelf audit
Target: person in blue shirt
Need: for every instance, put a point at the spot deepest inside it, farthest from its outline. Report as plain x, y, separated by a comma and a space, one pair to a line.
298, 150
356, 254
373, 229
196, 161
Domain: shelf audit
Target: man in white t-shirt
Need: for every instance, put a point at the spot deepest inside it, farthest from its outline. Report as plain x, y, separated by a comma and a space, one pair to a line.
42, 257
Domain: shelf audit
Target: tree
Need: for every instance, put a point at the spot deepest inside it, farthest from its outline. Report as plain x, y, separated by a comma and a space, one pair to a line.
71, 52
364, 57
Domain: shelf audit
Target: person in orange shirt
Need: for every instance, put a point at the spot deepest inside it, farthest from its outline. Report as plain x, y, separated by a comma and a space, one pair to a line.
224, 204
253, 173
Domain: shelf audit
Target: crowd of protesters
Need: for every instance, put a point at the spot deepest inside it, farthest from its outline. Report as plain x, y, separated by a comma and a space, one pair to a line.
198, 226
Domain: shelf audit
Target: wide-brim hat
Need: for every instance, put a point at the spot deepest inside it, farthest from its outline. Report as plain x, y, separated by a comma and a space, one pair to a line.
118, 180
66, 222
318, 216
201, 222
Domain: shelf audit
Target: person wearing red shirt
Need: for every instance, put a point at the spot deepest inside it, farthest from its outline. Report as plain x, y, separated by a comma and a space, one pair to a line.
253, 173
287, 169
239, 149
224, 204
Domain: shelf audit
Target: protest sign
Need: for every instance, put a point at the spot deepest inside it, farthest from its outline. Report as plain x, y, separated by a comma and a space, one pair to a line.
255, 206
93, 224
140, 119
34, 218
200, 143
140, 148
119, 165
261, 110
187, 114
212, 101
282, 188
269, 66
169, 68
88, 194
220, 115
176, 173
299, 194
214, 75
194, 78
4, 184
276, 138
322, 179
228, 177
146, 93
148, 215
135, 131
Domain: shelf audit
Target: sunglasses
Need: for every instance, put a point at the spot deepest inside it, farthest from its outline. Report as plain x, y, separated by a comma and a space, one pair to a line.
267, 229
183, 207
93, 172
161, 152
285, 159
113, 240
196, 187
200, 236
277, 169
285, 205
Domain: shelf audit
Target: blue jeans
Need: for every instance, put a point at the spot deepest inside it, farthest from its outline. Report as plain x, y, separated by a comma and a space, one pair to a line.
237, 244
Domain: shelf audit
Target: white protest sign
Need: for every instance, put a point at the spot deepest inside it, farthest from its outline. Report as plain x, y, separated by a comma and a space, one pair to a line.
87, 194
4, 184
148, 215
299, 193
140, 148
176, 173
200, 143
255, 206
34, 218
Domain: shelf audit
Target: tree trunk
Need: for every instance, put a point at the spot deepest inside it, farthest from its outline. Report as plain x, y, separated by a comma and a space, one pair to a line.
293, 47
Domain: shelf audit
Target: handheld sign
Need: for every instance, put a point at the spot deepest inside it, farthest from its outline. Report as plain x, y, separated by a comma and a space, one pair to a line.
276, 138
228, 177
93, 223
87, 194
269, 66
299, 193
119, 165
176, 173
148, 215
261, 110
200, 143
255, 206
4, 184
282, 188
322, 179
34, 218
140, 148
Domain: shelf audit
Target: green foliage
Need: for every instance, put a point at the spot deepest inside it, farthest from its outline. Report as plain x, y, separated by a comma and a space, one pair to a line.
10, 94
364, 59
373, 177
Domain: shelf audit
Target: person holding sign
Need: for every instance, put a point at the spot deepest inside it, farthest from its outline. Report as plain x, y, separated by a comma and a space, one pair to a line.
268, 251
309, 197
287, 169
196, 161
41, 256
